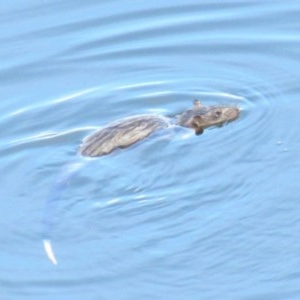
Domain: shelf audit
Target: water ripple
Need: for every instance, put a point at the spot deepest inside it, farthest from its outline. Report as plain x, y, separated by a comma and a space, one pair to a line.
220, 207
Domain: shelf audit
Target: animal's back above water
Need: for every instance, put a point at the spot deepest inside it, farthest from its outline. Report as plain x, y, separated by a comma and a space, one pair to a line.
121, 134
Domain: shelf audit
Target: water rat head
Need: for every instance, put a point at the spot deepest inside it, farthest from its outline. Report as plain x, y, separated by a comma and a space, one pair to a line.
201, 117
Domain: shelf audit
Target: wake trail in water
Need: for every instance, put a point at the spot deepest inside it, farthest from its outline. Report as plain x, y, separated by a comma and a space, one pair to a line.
51, 205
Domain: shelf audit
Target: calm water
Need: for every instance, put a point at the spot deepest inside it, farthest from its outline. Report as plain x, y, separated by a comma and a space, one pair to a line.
215, 216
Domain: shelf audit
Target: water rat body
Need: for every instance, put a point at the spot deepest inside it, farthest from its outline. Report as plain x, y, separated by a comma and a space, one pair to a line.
126, 132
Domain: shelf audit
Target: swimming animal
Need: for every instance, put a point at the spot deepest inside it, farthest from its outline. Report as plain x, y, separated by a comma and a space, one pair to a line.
126, 132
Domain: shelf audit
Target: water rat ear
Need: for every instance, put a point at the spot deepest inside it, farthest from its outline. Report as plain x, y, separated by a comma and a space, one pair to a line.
197, 103
199, 131
197, 121
197, 125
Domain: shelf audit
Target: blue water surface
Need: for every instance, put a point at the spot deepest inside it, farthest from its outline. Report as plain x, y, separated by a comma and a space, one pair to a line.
177, 216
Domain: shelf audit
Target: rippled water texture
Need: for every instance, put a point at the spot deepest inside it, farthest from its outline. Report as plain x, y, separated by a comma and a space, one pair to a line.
177, 216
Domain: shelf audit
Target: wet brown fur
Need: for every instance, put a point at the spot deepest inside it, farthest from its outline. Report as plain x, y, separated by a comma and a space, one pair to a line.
127, 131
121, 134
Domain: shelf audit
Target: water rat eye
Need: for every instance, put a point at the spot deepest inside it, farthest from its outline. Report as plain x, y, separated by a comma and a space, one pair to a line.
217, 114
